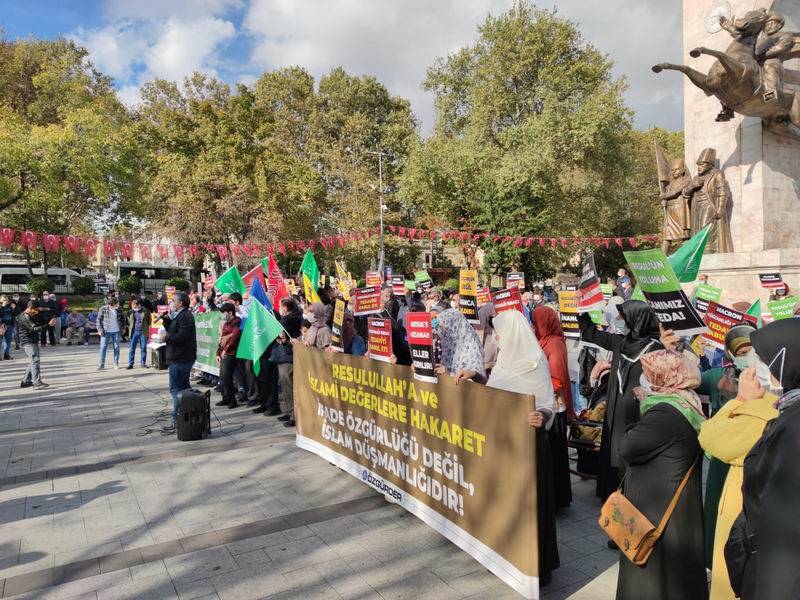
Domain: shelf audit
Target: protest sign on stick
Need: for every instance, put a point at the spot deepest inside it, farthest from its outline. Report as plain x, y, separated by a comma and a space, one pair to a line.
720, 319
783, 308
367, 301
509, 299
468, 294
379, 344
568, 310
590, 294
337, 342
770, 281
484, 296
424, 281
515, 279
704, 294
207, 330
372, 279
420, 339
398, 285
663, 292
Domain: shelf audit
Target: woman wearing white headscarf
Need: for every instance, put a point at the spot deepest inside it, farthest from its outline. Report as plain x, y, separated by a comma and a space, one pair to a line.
521, 367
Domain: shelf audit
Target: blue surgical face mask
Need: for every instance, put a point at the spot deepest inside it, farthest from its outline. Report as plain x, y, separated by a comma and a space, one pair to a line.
435, 323
620, 326
740, 362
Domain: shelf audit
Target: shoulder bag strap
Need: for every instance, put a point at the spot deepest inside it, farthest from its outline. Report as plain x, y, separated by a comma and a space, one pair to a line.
674, 502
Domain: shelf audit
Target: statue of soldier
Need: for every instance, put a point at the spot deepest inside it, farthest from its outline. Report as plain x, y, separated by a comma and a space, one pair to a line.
677, 224
708, 196
772, 48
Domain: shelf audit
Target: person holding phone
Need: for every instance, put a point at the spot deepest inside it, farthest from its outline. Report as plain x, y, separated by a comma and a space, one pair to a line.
30, 331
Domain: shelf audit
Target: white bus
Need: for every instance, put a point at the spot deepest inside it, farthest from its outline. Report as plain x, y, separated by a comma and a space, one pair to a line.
15, 277
154, 277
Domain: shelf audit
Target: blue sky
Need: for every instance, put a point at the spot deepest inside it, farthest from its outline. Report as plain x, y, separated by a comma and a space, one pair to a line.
237, 40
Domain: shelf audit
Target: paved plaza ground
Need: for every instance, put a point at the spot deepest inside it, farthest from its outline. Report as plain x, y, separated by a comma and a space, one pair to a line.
95, 503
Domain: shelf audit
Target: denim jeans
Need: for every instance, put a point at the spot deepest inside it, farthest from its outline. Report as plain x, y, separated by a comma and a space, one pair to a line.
9, 337
140, 339
114, 339
32, 374
178, 381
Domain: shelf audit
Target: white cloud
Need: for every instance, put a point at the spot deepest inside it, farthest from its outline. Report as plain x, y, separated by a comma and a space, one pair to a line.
129, 95
184, 47
114, 48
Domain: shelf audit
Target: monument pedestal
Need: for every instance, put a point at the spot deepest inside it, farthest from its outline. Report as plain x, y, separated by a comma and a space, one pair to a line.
762, 169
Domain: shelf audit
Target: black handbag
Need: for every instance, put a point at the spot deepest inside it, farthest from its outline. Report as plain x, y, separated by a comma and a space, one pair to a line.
737, 553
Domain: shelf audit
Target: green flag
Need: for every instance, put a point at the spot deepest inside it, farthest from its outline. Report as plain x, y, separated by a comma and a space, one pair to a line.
755, 311
685, 260
310, 269
231, 281
259, 332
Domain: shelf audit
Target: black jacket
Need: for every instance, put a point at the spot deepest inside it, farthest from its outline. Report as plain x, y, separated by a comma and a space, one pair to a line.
282, 353
29, 330
181, 339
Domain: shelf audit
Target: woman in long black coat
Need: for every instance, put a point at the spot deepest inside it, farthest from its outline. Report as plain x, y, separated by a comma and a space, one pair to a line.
659, 450
622, 410
771, 487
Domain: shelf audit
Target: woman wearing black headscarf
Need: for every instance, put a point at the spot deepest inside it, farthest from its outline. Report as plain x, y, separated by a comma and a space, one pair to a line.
763, 550
622, 409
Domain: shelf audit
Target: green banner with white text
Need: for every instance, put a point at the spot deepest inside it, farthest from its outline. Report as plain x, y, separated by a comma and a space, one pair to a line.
207, 330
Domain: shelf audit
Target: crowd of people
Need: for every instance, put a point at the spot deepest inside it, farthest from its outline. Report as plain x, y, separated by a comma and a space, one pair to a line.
661, 409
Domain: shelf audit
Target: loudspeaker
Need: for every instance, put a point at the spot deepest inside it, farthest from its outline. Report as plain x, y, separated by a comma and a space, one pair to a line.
158, 357
194, 415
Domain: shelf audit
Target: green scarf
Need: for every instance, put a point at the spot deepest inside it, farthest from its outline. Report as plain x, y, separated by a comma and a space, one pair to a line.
695, 419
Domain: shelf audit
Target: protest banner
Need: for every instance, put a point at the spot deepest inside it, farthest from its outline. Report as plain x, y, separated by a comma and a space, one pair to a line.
372, 279
484, 296
207, 330
468, 294
208, 284
783, 308
170, 292
598, 318
590, 294
291, 286
568, 310
456, 447
704, 294
720, 319
388, 274
424, 281
411, 285
770, 281
607, 290
398, 285
367, 301
420, 339
509, 299
379, 335
337, 343
663, 292
515, 279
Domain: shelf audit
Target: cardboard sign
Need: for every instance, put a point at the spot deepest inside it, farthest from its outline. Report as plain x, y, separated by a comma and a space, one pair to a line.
291, 286
783, 308
424, 281
388, 274
704, 294
468, 294
162, 309
509, 299
663, 292
337, 343
411, 285
209, 282
207, 332
466, 427
770, 281
379, 339
568, 310
515, 279
170, 291
420, 339
720, 319
607, 290
399, 285
367, 301
372, 279
484, 296
590, 295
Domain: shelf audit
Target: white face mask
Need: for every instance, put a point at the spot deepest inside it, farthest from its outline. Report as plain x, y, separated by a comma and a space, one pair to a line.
620, 326
763, 373
225, 316
647, 387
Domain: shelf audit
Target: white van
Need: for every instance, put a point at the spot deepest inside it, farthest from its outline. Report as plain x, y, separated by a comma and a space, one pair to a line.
15, 278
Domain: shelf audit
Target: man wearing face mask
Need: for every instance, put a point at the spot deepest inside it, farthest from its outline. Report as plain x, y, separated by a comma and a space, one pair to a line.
138, 331
762, 551
226, 353
181, 351
49, 309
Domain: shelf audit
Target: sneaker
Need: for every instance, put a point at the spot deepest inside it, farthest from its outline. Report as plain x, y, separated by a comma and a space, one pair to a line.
24, 384
85, 343
128, 367
40, 386
289, 423
101, 368
144, 366
7, 357
284, 418
116, 367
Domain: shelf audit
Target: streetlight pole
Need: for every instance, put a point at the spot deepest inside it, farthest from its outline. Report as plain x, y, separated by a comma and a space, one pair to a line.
380, 207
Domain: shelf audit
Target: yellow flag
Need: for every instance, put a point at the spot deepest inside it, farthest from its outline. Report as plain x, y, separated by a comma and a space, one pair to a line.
310, 292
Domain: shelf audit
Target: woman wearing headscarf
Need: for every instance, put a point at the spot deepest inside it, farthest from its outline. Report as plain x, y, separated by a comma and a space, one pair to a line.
763, 550
461, 348
352, 342
638, 333
486, 314
521, 367
319, 334
727, 437
659, 451
547, 326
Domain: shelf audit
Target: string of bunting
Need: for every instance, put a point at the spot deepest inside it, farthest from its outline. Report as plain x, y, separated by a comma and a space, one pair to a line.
50, 242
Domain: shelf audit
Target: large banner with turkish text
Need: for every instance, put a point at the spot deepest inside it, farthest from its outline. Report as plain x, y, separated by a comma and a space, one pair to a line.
441, 452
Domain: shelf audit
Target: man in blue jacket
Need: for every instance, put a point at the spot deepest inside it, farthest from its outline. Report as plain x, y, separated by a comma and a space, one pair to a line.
181, 351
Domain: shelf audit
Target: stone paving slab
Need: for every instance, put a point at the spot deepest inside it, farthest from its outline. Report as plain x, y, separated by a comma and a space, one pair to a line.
96, 503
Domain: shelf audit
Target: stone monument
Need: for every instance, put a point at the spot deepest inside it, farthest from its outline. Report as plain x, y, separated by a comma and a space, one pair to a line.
762, 167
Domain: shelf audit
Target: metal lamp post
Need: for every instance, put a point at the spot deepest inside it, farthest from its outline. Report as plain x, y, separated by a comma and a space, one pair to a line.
380, 156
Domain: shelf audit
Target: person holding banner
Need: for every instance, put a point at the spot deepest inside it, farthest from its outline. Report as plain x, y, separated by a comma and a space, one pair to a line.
547, 327
661, 450
622, 409
461, 349
521, 367
226, 353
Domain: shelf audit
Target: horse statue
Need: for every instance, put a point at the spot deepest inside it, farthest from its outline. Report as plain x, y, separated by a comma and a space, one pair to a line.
739, 80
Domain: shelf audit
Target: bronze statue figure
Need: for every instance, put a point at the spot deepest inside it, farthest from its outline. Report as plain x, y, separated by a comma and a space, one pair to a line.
749, 77
677, 222
708, 196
